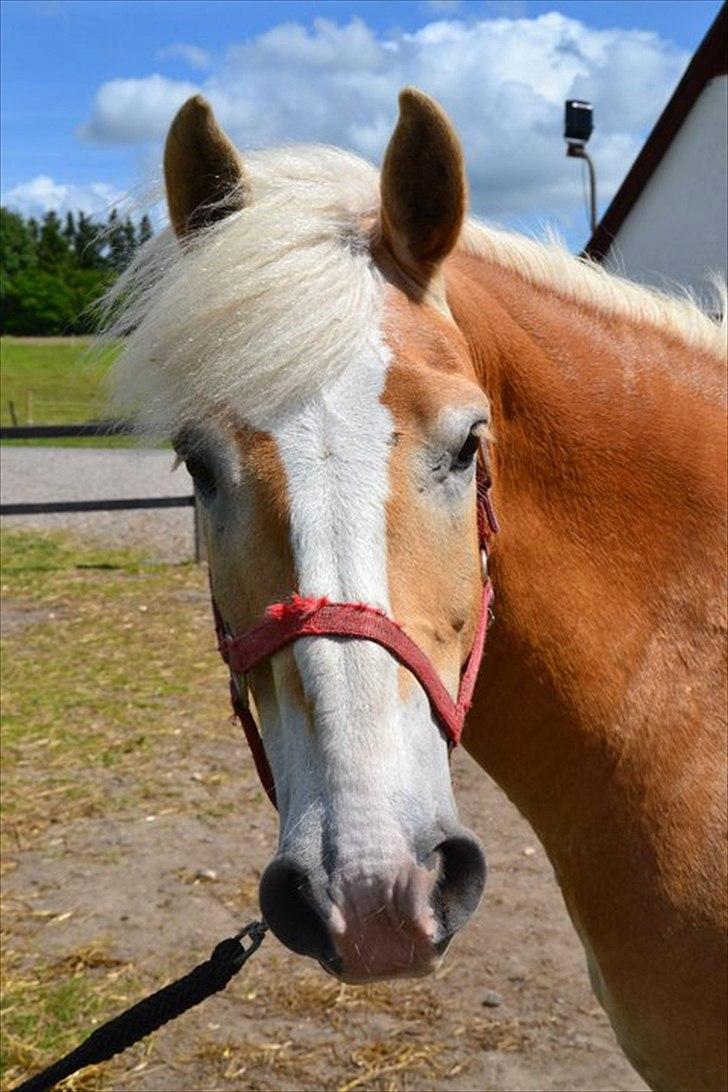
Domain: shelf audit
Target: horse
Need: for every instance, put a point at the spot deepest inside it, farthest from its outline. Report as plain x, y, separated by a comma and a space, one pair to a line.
337, 354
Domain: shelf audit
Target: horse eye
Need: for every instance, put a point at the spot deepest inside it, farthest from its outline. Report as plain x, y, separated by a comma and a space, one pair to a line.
202, 475
464, 458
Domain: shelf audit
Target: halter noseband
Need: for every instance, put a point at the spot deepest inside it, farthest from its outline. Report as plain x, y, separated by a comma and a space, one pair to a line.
286, 622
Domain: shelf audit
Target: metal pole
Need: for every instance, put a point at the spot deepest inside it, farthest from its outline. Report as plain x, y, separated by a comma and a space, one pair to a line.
592, 192
578, 151
199, 538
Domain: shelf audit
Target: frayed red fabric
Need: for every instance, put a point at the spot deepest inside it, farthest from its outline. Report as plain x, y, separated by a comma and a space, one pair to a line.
308, 616
298, 606
301, 606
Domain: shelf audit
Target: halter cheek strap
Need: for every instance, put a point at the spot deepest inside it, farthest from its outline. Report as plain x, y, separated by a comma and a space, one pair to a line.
287, 622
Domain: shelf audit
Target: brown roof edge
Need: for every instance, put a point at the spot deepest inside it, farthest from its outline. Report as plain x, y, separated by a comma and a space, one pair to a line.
709, 60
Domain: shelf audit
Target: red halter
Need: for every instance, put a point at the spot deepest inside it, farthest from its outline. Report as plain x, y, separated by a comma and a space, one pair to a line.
286, 622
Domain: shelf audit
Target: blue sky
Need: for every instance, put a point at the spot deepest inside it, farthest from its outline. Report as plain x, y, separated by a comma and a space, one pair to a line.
89, 87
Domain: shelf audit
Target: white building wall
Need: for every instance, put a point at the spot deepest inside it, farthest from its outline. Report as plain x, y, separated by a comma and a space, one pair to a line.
677, 231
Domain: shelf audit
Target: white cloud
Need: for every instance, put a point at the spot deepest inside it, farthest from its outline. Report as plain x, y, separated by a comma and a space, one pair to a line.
41, 194
133, 111
502, 80
193, 55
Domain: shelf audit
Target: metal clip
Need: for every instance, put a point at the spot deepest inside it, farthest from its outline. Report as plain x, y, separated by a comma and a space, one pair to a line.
256, 930
484, 562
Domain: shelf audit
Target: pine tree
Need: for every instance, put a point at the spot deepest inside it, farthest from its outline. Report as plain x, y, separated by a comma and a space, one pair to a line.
88, 244
130, 240
53, 249
52, 274
145, 229
69, 231
118, 242
17, 246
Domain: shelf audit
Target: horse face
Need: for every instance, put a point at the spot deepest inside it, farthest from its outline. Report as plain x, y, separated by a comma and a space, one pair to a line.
364, 491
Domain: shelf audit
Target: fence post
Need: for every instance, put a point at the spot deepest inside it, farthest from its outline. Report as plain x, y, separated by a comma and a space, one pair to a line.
13, 414
29, 407
200, 554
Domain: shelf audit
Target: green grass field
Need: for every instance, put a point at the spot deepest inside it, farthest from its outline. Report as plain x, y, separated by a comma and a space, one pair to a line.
54, 381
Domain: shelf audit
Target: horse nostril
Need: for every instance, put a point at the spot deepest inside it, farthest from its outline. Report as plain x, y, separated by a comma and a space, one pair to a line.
461, 882
291, 909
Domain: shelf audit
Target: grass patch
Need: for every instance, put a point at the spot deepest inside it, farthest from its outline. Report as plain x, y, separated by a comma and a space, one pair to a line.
64, 382
43, 1017
28, 552
98, 681
56, 381
101, 655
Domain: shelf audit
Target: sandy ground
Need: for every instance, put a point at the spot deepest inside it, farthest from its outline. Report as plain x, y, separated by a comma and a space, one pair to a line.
510, 1009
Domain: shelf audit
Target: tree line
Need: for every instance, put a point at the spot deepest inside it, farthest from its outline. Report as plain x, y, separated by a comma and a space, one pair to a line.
52, 271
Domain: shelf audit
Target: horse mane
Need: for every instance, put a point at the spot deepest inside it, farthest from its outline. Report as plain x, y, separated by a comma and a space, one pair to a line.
260, 309
256, 312
586, 282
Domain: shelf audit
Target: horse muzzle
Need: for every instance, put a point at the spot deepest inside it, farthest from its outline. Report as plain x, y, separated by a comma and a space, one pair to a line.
391, 923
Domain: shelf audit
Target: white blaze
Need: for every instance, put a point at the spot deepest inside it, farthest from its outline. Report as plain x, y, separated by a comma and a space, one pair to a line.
373, 765
335, 453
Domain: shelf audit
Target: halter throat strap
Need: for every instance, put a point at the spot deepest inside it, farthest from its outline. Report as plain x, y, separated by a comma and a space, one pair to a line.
286, 622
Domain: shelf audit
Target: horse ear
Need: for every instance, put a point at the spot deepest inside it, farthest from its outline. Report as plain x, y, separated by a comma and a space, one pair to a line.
424, 189
203, 173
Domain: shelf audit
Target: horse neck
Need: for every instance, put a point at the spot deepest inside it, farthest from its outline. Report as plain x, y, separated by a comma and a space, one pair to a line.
607, 469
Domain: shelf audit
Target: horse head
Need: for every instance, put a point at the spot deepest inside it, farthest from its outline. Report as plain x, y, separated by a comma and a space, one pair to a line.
328, 410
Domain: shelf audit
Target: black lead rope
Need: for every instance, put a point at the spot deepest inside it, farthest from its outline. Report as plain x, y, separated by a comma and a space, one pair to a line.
146, 1016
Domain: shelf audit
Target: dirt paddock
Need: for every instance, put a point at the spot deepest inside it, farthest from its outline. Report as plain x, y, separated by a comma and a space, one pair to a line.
135, 837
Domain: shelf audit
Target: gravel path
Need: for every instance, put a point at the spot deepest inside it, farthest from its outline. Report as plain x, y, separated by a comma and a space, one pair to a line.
63, 473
